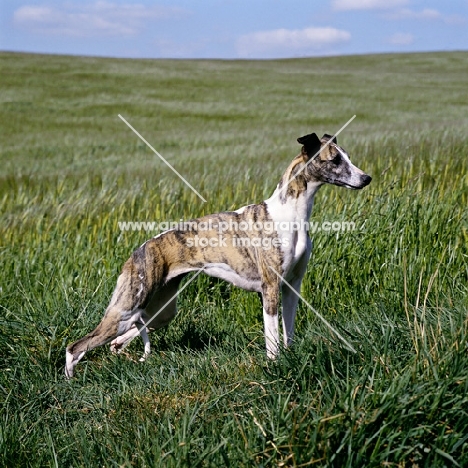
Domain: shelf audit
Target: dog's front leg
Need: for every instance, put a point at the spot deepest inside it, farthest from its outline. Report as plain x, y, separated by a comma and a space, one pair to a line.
290, 297
289, 300
270, 299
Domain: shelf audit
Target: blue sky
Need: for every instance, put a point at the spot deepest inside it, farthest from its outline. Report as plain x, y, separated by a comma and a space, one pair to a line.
231, 29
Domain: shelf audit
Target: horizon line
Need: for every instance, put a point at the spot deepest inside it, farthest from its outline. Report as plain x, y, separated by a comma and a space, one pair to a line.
236, 59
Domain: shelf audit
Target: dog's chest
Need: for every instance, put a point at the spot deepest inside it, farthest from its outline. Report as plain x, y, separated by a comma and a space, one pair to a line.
291, 224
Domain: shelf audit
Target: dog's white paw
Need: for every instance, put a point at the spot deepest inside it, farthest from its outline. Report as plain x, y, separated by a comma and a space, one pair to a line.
118, 345
143, 358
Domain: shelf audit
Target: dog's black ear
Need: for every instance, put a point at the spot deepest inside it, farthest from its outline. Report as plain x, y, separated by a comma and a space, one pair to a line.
326, 136
311, 143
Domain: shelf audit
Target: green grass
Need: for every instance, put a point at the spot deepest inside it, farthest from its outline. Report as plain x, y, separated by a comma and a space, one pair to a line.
396, 289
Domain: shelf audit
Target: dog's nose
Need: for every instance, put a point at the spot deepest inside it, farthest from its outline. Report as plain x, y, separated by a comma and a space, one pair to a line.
366, 180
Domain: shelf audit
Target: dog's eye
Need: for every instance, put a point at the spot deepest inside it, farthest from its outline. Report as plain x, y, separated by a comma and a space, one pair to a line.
337, 159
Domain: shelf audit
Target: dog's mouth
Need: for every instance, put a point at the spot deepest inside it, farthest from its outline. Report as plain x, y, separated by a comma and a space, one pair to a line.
366, 180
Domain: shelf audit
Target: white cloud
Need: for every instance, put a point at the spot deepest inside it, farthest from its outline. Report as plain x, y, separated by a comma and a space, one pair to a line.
344, 5
100, 18
424, 14
401, 39
289, 42
406, 13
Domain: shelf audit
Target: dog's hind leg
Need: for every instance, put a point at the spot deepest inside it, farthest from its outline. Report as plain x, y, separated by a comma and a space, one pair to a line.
122, 341
115, 322
119, 343
144, 335
124, 311
161, 309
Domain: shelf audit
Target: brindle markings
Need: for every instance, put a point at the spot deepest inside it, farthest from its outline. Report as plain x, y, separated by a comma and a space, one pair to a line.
146, 290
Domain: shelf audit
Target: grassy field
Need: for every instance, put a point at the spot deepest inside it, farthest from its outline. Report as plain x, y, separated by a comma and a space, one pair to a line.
396, 288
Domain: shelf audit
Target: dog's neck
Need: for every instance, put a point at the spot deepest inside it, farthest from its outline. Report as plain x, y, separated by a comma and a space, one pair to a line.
295, 192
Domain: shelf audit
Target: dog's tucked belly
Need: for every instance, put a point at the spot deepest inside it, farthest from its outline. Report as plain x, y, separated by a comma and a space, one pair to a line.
223, 271
248, 280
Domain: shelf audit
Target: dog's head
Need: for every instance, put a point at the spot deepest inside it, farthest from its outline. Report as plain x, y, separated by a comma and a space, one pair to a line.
329, 163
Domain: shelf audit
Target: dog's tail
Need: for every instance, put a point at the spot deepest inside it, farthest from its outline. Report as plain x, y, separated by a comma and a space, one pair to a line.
102, 334
134, 289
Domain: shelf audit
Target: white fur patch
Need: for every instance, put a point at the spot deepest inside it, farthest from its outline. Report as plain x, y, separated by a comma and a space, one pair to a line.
271, 334
225, 272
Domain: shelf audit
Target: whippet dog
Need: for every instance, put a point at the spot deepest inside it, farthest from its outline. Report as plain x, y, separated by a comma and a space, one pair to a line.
256, 248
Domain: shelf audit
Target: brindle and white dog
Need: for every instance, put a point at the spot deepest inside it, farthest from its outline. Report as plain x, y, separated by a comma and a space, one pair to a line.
145, 296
